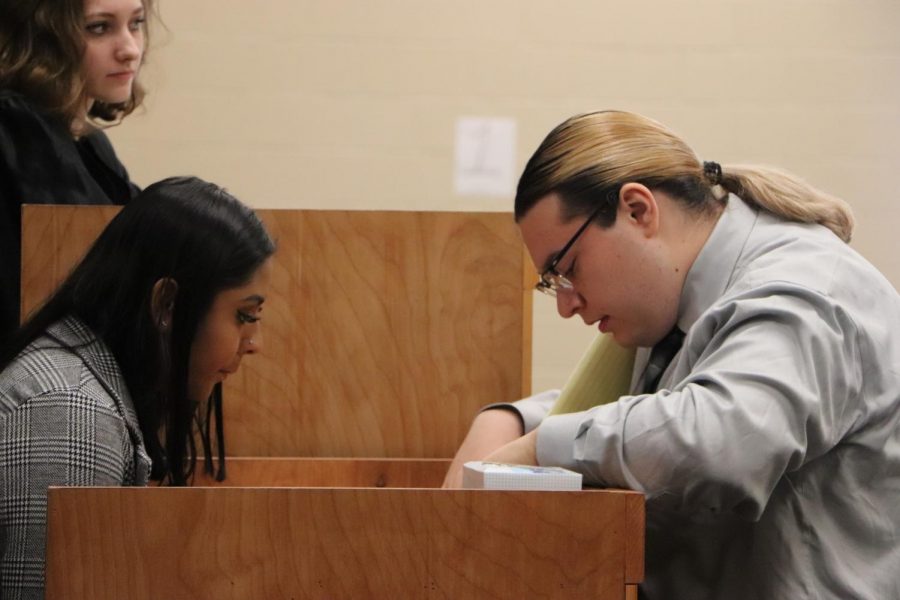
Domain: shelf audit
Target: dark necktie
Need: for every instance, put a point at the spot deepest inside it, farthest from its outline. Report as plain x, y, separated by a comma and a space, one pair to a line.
660, 357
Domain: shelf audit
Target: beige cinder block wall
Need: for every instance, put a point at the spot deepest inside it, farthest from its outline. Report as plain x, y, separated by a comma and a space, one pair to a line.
337, 104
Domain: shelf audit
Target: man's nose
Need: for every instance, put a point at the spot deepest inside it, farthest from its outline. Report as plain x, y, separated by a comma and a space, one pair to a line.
568, 302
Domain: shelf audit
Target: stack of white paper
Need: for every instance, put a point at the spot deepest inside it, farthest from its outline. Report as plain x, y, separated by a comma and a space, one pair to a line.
498, 476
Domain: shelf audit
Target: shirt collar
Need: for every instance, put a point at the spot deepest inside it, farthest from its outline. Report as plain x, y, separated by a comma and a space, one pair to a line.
714, 267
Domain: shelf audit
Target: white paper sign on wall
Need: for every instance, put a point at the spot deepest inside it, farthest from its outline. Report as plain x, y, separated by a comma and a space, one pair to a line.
485, 156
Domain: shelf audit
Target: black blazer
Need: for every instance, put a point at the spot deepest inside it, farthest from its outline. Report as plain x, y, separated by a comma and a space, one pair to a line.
41, 163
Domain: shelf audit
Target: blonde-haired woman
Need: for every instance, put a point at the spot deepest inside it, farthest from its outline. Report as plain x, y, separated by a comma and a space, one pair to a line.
767, 442
67, 68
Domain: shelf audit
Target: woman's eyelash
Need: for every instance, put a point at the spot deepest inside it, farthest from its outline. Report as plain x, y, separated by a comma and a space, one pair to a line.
101, 27
96, 28
245, 318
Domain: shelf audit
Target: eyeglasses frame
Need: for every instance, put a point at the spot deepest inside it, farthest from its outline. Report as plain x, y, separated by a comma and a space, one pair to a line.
545, 284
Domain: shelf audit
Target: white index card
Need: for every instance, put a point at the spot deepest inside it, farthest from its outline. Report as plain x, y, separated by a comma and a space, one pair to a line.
485, 156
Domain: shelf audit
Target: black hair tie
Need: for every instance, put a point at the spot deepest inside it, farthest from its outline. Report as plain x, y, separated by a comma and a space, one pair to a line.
713, 172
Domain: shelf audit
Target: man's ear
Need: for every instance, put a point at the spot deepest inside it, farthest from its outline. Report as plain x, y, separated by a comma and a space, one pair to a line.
639, 207
162, 302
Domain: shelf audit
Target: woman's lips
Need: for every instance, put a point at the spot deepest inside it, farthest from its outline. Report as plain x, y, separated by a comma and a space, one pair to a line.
121, 75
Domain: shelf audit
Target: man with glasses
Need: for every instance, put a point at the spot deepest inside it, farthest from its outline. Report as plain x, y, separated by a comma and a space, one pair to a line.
763, 421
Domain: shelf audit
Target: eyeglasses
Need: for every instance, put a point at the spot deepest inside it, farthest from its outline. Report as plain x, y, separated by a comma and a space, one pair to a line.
551, 280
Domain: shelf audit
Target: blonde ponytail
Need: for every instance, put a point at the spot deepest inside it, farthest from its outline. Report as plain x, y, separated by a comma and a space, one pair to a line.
588, 155
788, 196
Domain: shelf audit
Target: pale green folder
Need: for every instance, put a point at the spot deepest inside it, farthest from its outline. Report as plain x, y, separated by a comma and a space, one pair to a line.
603, 375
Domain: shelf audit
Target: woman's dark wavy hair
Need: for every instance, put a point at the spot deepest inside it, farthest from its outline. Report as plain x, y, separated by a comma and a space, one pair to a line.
41, 49
183, 229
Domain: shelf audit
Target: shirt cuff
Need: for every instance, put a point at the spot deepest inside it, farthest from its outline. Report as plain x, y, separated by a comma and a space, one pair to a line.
532, 409
556, 440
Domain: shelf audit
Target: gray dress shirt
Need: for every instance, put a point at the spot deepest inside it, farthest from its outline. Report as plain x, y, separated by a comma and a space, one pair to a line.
66, 418
770, 452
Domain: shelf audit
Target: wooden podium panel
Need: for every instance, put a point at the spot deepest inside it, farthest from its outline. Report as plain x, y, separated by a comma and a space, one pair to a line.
329, 472
383, 335
351, 542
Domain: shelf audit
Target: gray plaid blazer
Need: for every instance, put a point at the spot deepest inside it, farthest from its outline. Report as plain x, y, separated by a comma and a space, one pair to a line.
66, 418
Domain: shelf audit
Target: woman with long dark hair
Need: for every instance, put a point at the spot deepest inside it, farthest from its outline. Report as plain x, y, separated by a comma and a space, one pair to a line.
101, 385
68, 68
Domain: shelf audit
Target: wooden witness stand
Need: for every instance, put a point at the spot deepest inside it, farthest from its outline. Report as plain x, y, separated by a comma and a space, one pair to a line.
358, 541
384, 333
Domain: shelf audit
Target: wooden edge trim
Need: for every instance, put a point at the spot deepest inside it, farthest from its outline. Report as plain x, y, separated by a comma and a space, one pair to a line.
527, 320
634, 542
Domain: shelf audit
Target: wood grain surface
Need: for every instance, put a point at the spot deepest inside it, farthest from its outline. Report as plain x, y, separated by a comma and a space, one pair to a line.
329, 472
383, 334
245, 542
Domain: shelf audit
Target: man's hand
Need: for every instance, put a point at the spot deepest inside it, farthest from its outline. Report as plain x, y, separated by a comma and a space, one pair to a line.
522, 451
491, 429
